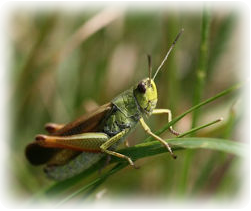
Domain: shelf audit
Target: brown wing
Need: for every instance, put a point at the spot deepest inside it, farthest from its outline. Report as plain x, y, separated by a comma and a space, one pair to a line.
89, 122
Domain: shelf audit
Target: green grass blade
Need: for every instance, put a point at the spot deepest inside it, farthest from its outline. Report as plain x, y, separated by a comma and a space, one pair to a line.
201, 71
199, 128
154, 147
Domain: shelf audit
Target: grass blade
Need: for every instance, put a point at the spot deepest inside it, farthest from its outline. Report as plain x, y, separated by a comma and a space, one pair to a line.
202, 66
199, 128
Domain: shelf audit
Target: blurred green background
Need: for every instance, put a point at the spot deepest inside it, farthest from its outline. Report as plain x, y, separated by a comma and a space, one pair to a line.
65, 62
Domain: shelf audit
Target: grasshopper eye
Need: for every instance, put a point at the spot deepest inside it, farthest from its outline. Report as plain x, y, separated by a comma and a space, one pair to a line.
141, 87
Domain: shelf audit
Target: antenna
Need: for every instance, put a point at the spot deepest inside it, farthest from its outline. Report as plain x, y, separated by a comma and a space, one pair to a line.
168, 52
149, 67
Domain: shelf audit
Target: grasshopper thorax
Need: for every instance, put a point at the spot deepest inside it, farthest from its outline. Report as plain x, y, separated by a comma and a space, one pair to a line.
145, 93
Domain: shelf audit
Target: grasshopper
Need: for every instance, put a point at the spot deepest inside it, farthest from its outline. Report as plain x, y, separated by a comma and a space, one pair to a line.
72, 148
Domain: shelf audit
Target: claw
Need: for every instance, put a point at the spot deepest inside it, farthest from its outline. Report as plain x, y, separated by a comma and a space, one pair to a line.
135, 167
132, 163
174, 131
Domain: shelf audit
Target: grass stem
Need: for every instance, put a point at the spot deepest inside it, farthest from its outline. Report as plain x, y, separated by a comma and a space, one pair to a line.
199, 128
203, 63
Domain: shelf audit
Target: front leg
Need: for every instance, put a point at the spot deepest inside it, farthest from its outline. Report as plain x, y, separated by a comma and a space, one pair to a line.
148, 130
169, 116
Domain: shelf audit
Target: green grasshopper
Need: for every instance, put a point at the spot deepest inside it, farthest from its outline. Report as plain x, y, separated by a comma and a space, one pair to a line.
72, 148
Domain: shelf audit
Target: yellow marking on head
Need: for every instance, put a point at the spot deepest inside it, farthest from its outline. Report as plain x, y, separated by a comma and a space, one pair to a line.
146, 95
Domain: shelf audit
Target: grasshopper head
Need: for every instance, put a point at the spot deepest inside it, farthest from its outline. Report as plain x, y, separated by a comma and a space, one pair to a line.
145, 93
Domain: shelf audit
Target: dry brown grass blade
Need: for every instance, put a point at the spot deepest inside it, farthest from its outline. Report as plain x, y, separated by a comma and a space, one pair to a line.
99, 21
86, 30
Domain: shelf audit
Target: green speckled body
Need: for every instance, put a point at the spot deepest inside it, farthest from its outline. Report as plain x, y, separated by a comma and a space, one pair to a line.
124, 114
